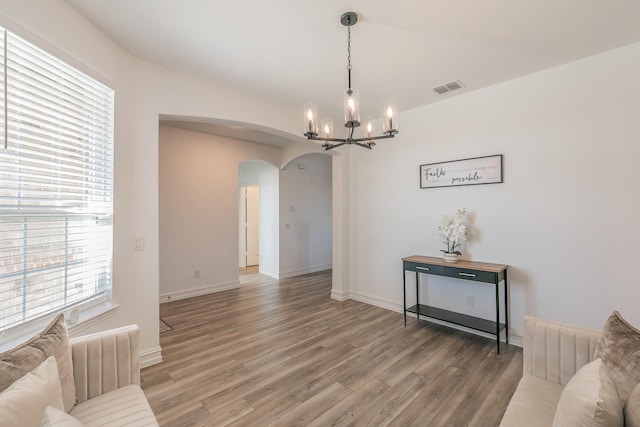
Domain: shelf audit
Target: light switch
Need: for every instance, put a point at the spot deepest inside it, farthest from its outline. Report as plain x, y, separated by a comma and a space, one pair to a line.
138, 243
292, 208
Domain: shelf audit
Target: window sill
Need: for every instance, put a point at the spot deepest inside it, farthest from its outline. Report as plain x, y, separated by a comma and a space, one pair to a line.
89, 316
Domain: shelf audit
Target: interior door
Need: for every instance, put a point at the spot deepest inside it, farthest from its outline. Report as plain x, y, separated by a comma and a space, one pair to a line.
253, 225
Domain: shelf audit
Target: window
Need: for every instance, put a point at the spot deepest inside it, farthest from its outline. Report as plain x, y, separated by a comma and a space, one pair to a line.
56, 184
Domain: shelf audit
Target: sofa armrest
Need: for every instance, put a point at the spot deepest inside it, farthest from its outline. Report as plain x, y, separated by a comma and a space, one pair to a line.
105, 361
554, 351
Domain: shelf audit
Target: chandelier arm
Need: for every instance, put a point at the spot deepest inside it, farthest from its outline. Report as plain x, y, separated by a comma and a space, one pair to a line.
349, 140
363, 145
321, 138
375, 138
332, 146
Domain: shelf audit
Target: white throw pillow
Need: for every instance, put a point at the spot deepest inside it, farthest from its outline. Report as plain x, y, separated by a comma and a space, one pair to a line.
56, 418
23, 402
590, 398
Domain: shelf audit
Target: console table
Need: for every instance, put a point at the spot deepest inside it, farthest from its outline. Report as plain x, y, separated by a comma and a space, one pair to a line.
466, 270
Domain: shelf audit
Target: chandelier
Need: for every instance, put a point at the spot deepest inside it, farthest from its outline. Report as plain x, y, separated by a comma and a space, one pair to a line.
324, 132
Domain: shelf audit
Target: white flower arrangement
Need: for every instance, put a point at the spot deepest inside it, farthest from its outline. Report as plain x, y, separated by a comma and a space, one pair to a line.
454, 231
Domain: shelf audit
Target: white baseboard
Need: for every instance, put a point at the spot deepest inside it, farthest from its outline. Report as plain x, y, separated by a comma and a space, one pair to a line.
196, 292
300, 272
339, 296
378, 302
272, 275
515, 338
150, 357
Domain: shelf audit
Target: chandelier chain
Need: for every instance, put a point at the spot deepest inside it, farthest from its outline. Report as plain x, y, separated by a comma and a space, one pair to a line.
349, 54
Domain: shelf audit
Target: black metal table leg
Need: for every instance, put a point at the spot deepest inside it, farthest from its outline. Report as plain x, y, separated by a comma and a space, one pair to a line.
404, 294
497, 285
417, 294
506, 308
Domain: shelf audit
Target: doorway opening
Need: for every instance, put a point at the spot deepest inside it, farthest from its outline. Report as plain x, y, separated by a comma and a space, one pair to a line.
250, 226
258, 201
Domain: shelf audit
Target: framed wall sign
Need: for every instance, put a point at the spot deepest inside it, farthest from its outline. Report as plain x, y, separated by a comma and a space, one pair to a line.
474, 171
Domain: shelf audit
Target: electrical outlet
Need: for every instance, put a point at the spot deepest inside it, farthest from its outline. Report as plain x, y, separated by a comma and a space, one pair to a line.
196, 274
470, 301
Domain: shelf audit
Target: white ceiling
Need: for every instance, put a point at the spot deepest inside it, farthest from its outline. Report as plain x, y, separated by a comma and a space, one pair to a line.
293, 51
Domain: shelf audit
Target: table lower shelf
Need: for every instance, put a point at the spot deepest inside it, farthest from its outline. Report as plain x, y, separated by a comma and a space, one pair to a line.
484, 325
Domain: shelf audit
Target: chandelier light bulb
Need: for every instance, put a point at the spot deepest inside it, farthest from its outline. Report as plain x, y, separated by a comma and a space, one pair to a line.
390, 122
326, 125
369, 128
351, 109
311, 121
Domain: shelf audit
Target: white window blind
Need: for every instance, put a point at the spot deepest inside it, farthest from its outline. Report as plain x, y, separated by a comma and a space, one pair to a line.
56, 184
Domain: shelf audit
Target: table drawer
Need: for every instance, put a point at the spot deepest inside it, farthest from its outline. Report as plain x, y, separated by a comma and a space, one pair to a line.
478, 276
424, 268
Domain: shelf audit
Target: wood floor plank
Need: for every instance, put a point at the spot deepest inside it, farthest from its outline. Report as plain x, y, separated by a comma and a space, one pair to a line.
495, 401
407, 364
349, 409
480, 379
271, 410
226, 414
288, 382
248, 385
423, 407
309, 410
282, 352
386, 407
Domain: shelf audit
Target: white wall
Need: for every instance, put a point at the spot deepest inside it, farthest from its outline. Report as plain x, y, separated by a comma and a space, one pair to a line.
305, 233
269, 221
199, 181
565, 218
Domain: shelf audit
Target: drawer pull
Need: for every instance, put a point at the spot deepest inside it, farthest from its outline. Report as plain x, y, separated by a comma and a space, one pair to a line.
423, 268
468, 274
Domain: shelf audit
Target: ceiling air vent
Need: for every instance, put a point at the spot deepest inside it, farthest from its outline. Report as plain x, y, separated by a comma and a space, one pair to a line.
448, 87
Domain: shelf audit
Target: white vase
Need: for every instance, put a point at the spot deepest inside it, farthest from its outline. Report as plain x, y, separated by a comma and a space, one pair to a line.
449, 257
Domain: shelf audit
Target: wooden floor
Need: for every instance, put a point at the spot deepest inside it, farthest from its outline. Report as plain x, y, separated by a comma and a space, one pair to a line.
283, 353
